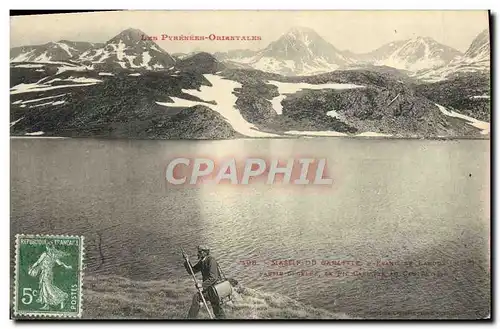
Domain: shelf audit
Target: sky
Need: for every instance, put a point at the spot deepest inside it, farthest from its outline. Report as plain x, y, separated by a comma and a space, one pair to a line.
357, 31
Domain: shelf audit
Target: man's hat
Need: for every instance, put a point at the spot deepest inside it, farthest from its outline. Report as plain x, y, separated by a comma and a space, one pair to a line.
203, 247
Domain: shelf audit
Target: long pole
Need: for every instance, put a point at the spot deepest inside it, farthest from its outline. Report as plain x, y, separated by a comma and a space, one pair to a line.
196, 283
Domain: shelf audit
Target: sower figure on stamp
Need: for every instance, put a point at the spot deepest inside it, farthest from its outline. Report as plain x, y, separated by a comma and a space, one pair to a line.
209, 269
49, 294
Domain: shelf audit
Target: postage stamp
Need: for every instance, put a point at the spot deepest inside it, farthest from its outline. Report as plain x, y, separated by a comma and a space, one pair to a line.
48, 276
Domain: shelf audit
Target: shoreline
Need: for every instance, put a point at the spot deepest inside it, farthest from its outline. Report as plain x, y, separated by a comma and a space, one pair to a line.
258, 138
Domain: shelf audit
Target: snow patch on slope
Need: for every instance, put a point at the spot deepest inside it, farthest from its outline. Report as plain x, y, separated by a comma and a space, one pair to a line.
23, 57
41, 104
38, 99
29, 65
222, 93
73, 68
146, 57
36, 133
83, 80
66, 48
334, 134
43, 58
16, 121
120, 50
483, 126
34, 87
372, 134
333, 114
315, 133
285, 88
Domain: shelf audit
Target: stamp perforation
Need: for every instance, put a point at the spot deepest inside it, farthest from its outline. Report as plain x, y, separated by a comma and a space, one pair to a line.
55, 314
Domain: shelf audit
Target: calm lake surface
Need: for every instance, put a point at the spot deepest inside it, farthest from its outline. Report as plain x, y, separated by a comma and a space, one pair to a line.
401, 201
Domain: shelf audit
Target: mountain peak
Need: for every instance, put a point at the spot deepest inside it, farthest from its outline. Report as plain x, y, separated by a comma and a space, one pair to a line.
423, 38
129, 35
480, 46
300, 30
132, 31
299, 51
298, 38
302, 34
130, 50
413, 54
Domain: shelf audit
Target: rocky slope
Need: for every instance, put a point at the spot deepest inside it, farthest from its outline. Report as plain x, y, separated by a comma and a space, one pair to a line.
235, 54
196, 100
468, 93
130, 88
380, 104
75, 103
201, 62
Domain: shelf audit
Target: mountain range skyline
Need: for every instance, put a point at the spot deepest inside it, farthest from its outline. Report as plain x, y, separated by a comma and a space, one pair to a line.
300, 51
199, 48
344, 33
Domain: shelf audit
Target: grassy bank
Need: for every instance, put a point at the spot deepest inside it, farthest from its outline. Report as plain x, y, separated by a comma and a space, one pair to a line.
120, 298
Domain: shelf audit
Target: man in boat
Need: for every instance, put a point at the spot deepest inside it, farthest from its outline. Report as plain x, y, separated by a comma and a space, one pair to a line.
209, 269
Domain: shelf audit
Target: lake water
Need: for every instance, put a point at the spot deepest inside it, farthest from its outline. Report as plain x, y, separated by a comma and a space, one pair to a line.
392, 200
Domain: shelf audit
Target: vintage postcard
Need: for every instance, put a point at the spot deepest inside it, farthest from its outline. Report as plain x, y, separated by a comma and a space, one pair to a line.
250, 165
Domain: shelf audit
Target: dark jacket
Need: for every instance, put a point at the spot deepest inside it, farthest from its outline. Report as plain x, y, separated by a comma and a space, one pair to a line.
209, 270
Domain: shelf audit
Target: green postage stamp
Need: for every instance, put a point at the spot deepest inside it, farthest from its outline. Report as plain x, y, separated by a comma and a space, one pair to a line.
48, 276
